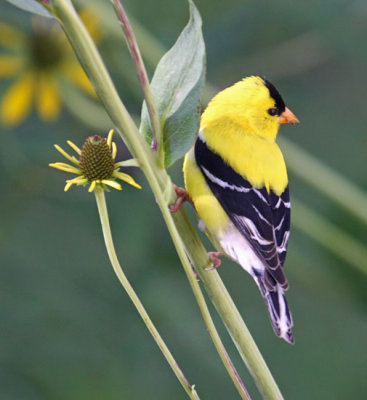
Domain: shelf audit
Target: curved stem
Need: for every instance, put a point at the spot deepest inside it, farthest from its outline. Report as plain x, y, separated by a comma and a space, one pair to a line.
103, 214
142, 75
181, 251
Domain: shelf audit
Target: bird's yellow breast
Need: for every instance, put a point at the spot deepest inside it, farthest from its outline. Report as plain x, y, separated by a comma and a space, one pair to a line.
258, 160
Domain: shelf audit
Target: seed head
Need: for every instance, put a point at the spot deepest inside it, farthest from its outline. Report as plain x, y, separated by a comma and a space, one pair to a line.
96, 162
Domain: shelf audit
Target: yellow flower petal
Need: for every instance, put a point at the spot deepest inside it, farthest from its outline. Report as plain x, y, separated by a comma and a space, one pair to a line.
10, 65
109, 137
68, 186
76, 74
78, 180
112, 183
74, 147
126, 178
17, 101
66, 155
92, 186
114, 150
65, 167
10, 37
47, 98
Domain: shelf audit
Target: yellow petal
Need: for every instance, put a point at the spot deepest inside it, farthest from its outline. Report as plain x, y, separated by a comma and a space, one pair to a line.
76, 74
74, 147
10, 65
68, 186
66, 155
10, 37
78, 180
17, 101
114, 150
92, 186
47, 98
112, 183
65, 167
126, 178
109, 137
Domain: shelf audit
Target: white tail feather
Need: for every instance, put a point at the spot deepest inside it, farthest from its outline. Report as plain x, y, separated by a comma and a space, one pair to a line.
236, 246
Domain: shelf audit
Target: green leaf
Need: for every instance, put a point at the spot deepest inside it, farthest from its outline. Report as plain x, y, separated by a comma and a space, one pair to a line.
32, 6
176, 87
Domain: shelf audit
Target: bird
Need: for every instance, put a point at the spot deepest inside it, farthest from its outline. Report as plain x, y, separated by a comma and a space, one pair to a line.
236, 178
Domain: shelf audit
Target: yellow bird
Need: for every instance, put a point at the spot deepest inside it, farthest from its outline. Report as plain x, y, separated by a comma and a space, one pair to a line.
236, 177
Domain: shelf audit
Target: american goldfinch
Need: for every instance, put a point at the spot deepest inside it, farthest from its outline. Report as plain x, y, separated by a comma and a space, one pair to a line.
236, 177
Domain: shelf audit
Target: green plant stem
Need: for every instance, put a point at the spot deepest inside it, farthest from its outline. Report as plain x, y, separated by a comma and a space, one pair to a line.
223, 302
143, 77
180, 248
160, 184
103, 214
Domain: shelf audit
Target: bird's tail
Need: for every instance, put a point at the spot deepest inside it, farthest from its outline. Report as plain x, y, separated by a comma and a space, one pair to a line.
280, 316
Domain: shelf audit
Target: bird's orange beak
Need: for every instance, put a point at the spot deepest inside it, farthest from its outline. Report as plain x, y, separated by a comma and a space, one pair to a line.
287, 117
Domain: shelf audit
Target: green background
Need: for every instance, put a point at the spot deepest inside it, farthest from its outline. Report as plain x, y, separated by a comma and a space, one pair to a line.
67, 329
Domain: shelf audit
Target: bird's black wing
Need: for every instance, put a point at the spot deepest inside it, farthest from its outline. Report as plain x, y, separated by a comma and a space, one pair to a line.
262, 218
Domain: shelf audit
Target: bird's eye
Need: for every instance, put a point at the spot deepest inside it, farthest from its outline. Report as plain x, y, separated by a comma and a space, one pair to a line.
273, 111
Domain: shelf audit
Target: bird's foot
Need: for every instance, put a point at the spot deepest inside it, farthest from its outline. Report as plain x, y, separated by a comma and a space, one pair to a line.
216, 262
182, 197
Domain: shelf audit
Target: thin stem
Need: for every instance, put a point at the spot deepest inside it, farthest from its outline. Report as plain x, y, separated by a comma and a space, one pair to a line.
180, 248
223, 302
160, 184
103, 214
142, 75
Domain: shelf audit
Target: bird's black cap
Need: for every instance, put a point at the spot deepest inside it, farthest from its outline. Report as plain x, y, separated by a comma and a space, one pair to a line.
279, 103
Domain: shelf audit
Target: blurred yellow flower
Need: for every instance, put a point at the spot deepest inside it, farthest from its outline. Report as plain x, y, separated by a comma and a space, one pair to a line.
41, 62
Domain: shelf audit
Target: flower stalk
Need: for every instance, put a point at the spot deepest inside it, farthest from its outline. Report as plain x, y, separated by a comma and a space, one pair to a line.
183, 233
103, 214
143, 77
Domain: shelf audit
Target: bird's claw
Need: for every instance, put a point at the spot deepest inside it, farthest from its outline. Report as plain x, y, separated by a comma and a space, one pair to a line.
182, 197
216, 262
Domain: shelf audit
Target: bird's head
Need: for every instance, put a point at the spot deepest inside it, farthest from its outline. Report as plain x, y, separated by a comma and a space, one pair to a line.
253, 105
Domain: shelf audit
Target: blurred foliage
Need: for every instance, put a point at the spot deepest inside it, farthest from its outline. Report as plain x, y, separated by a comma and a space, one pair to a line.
67, 329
